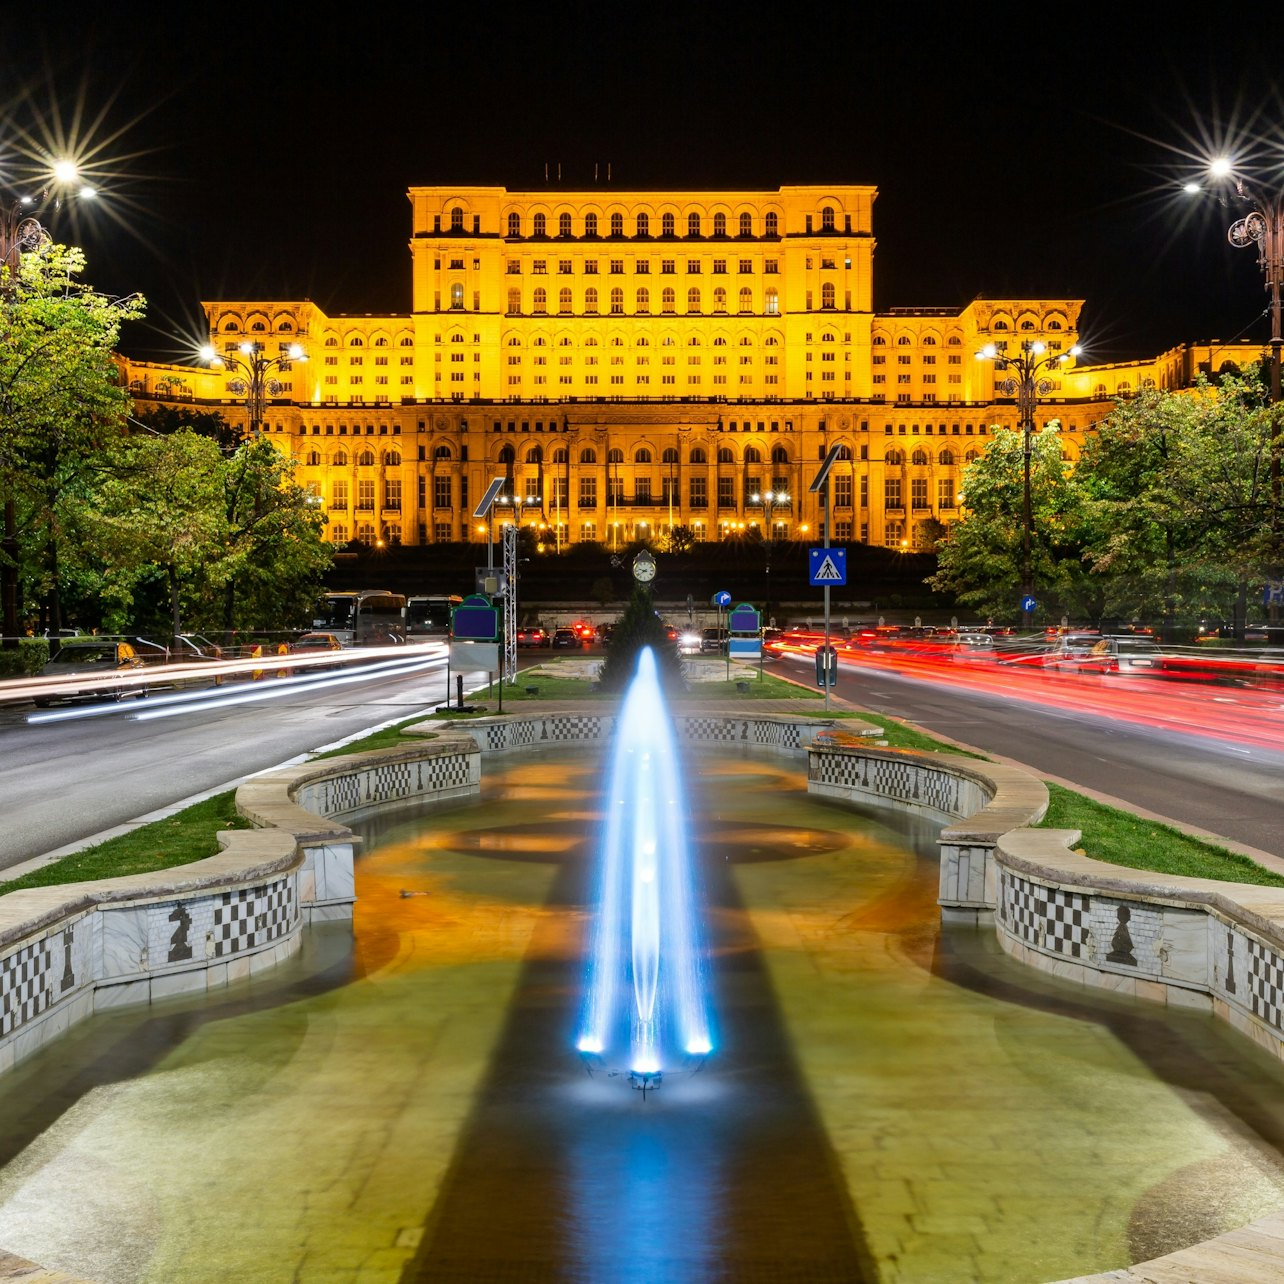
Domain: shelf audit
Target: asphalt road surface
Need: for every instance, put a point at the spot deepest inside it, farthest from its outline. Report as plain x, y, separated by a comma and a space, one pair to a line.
1235, 789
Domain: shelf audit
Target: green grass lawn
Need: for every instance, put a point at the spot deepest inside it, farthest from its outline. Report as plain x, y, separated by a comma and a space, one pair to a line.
1120, 838
187, 836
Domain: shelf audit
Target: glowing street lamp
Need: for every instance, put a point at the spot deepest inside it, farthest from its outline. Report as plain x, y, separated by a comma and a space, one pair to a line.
21, 232
1027, 383
253, 382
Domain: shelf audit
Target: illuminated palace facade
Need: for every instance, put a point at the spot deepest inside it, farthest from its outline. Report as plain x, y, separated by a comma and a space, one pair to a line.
631, 362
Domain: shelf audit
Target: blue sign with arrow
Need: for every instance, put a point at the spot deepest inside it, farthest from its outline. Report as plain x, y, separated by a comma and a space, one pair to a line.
827, 566
722, 599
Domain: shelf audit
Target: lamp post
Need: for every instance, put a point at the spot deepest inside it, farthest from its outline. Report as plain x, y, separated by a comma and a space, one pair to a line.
21, 232
1262, 226
1027, 383
770, 500
254, 383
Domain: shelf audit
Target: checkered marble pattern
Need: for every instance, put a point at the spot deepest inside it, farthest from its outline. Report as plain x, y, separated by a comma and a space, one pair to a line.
1145, 930
1023, 907
715, 730
779, 735
1066, 925
1265, 983
24, 985
253, 916
340, 794
577, 726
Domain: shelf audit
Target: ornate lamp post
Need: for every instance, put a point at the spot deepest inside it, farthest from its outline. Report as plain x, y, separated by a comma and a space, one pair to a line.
254, 383
22, 232
1027, 383
1262, 226
770, 500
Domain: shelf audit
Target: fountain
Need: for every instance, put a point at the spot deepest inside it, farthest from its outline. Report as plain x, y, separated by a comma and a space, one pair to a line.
645, 1010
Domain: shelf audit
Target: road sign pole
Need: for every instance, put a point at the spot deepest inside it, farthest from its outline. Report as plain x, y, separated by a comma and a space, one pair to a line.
824, 500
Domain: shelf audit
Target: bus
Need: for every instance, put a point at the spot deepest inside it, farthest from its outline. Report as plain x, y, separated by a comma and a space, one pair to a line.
363, 617
429, 617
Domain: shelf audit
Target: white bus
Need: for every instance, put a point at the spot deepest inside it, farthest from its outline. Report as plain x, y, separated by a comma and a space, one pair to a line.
429, 617
363, 617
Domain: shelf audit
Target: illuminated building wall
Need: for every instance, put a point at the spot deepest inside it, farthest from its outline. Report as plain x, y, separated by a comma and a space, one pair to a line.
632, 361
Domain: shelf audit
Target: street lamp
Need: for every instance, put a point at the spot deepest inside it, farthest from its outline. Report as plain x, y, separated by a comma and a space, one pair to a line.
1263, 227
770, 500
254, 383
21, 232
1027, 384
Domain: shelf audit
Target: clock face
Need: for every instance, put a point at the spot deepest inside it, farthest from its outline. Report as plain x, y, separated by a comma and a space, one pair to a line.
644, 567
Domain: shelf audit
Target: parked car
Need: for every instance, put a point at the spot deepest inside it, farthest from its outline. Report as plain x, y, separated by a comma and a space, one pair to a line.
566, 638
604, 632
310, 643
713, 639
584, 631
689, 642
91, 659
533, 635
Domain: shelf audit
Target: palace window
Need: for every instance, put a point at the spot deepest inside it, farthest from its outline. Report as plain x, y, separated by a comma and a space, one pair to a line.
746, 225
514, 225
590, 224
666, 225
693, 224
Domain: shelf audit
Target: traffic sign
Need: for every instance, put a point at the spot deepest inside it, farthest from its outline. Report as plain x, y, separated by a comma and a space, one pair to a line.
745, 619
475, 620
721, 599
826, 666
827, 566
1028, 603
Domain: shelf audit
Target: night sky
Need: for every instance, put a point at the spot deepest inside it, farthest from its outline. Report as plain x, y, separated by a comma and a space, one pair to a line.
264, 152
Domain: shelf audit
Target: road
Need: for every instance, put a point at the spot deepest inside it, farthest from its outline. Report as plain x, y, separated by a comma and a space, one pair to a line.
66, 780
1211, 758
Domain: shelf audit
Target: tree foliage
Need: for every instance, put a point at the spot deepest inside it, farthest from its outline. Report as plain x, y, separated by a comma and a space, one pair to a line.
640, 627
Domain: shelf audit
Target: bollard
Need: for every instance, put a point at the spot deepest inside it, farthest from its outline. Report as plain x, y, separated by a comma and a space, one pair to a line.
459, 687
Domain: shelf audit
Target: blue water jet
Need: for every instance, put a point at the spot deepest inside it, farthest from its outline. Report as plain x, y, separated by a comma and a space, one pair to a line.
645, 1007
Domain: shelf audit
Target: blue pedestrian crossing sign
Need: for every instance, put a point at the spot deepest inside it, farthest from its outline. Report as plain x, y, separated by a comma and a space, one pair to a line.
827, 566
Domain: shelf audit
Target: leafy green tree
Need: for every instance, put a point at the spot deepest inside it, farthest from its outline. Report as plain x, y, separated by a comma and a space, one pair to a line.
62, 411
160, 510
640, 627
982, 561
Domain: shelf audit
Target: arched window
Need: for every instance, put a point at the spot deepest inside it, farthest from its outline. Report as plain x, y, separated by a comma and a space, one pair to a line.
286, 328
341, 459
903, 341
534, 455
539, 301
644, 225
1027, 324
895, 459
1054, 324
644, 300
746, 225
693, 224
381, 342
929, 341
668, 299
919, 457
617, 224
230, 327
746, 299
725, 455
719, 225
456, 296
779, 455
366, 459
752, 455
719, 300
560, 455
313, 459
615, 455
693, 300
588, 455
972, 456
879, 340
563, 225
773, 303
698, 455
1099, 390
946, 458
590, 224
770, 224
642, 455
827, 219
1000, 325
617, 301
666, 225
356, 341
590, 300
514, 225
514, 301
538, 225
954, 341
827, 295
669, 456
457, 219
392, 459
507, 455
442, 452
258, 326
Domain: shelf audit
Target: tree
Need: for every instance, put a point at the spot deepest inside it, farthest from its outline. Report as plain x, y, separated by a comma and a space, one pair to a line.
160, 509
981, 562
62, 410
640, 627
1181, 508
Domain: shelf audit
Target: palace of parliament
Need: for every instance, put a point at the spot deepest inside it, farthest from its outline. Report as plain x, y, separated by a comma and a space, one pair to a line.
634, 361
